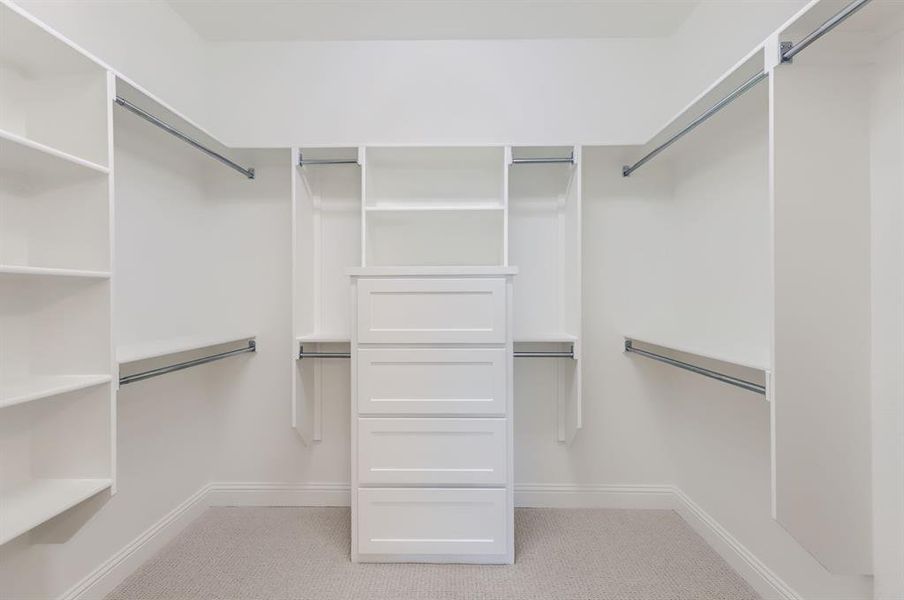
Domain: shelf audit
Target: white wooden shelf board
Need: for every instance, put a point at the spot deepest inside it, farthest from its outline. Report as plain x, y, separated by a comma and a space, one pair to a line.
25, 389
23, 156
323, 338
52, 272
749, 358
417, 271
27, 506
156, 348
550, 338
436, 207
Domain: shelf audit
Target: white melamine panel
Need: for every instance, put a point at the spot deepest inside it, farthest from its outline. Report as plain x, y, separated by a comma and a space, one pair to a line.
821, 407
432, 311
31, 504
430, 522
432, 451
432, 381
49, 93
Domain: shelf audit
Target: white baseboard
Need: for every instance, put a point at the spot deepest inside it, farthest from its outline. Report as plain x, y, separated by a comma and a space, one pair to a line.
102, 580
760, 577
237, 493
558, 495
663, 497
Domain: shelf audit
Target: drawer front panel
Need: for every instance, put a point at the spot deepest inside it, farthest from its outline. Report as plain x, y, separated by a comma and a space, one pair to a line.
432, 451
432, 311
432, 381
432, 521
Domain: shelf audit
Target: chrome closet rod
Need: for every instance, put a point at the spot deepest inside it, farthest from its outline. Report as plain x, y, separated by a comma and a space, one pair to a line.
741, 383
734, 95
823, 29
326, 161
302, 354
570, 354
249, 173
523, 354
251, 347
540, 161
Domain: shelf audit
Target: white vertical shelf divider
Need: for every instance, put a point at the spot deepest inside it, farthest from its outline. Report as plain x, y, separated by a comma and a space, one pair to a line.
327, 225
544, 242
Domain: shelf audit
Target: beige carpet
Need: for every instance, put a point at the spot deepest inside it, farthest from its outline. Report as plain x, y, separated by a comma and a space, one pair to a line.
302, 553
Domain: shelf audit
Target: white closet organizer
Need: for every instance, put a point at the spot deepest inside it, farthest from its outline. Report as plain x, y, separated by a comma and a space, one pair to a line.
837, 160
816, 146
402, 206
57, 445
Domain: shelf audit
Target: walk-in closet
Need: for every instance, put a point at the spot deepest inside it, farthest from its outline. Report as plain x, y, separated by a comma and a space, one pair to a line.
473, 300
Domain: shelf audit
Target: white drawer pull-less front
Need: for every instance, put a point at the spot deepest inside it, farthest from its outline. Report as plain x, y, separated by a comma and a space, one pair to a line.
432, 521
432, 381
431, 311
432, 451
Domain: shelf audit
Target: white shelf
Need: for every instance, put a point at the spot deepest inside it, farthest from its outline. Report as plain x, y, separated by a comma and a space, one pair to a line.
742, 357
546, 338
323, 338
26, 389
52, 272
416, 271
28, 158
435, 207
27, 506
157, 348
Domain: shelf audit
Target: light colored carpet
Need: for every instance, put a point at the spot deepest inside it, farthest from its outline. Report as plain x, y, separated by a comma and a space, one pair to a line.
303, 553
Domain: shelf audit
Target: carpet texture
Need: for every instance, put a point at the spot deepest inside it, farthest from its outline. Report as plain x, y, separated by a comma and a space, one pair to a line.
566, 554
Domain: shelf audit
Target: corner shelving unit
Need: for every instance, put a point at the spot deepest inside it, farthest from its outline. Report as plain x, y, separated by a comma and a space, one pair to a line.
57, 410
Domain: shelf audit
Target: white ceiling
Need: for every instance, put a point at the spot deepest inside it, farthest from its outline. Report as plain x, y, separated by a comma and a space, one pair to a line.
279, 20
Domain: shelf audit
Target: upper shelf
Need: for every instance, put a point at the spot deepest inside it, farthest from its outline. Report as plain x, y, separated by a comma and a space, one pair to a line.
27, 389
39, 162
415, 271
15, 270
156, 348
28, 48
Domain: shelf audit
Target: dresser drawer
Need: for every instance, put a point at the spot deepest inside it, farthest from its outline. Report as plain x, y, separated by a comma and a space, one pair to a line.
432, 521
432, 381
432, 451
432, 311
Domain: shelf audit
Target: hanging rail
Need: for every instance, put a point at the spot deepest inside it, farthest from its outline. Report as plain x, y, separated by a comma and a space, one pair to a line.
249, 173
793, 50
567, 354
325, 161
788, 52
251, 347
734, 95
544, 160
741, 383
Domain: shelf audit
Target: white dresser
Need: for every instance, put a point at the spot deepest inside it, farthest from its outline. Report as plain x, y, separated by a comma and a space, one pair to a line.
431, 390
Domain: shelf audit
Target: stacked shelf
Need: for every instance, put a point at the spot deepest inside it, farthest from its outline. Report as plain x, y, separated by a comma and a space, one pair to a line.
56, 368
